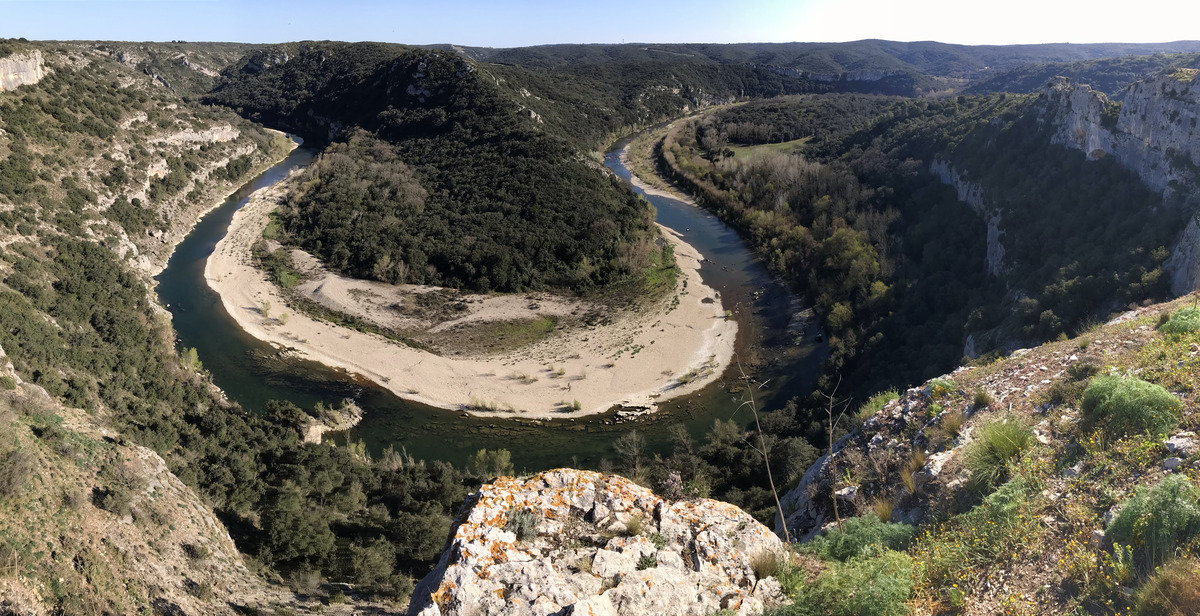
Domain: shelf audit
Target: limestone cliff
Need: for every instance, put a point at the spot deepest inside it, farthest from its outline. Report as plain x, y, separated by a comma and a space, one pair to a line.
21, 69
1153, 131
603, 546
971, 194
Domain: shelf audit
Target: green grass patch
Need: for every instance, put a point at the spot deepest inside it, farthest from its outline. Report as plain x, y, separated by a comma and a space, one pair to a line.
874, 404
795, 146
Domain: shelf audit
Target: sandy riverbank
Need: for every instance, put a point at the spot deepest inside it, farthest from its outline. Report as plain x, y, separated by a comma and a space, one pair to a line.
638, 360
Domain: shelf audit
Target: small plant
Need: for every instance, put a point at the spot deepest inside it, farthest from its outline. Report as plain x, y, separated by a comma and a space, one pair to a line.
7, 382
1173, 590
940, 388
647, 562
523, 523
658, 540
576, 405
1124, 405
983, 399
952, 424
915, 463
883, 508
1159, 521
765, 564
995, 445
1183, 321
634, 526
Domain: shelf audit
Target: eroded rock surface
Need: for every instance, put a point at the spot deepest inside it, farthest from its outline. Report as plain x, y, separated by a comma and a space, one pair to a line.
688, 558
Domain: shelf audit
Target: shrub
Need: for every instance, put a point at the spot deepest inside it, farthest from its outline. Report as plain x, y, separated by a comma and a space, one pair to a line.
1084, 369
1182, 321
1174, 590
861, 536
15, 468
1124, 405
995, 445
1159, 520
647, 562
983, 399
116, 499
523, 523
7, 382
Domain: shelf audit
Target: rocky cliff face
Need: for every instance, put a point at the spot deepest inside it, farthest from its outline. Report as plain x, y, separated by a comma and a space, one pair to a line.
600, 545
1153, 130
971, 194
21, 69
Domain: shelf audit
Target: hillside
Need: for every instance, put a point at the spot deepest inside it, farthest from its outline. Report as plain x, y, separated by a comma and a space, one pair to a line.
1054, 481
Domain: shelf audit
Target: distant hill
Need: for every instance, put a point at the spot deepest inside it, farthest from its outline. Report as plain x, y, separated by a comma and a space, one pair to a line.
928, 57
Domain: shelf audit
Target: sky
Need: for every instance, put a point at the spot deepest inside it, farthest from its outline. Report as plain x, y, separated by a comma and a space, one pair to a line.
511, 23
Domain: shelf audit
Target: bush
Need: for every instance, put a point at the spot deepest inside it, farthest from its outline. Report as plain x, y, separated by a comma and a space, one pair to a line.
861, 536
1158, 521
1174, 590
523, 523
15, 468
877, 586
995, 445
1128, 405
983, 399
1182, 321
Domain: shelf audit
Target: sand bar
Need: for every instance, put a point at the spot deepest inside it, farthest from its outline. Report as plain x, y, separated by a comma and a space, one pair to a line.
640, 359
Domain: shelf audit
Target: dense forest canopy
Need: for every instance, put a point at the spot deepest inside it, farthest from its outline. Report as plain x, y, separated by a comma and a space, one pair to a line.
885, 252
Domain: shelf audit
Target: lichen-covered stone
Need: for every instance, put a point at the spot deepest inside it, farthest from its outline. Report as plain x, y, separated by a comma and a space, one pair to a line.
584, 560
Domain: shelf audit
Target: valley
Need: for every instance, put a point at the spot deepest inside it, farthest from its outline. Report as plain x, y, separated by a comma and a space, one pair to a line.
555, 329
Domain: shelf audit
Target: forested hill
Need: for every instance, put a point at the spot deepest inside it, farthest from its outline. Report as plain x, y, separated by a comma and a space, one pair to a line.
871, 55
444, 179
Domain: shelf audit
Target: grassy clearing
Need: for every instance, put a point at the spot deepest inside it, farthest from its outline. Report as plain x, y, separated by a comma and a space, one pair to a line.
795, 146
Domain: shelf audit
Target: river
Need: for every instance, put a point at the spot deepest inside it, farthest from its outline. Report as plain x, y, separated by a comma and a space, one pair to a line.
251, 372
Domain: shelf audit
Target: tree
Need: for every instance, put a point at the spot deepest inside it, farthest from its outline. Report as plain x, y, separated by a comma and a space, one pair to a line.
630, 447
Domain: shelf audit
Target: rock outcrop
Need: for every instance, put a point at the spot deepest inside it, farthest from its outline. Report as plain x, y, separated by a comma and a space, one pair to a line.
603, 546
20, 70
971, 194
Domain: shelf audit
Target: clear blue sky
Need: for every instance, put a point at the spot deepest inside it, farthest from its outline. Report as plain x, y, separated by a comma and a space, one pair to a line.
510, 23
